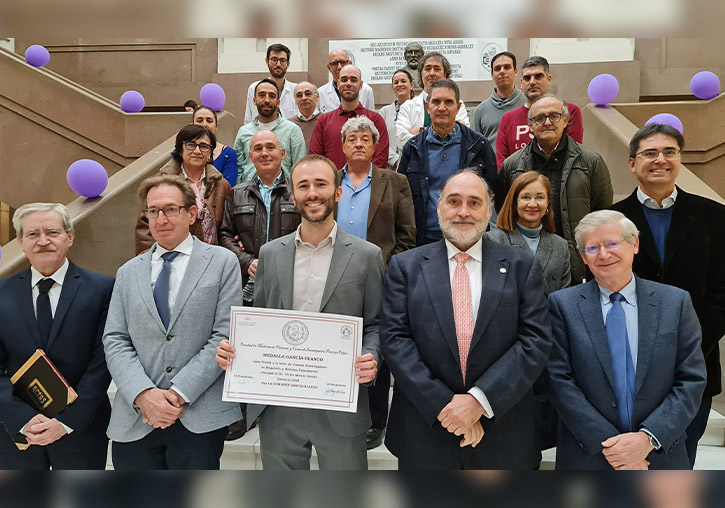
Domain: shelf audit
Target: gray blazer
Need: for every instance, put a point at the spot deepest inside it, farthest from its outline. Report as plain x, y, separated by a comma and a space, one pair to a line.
552, 254
141, 354
354, 287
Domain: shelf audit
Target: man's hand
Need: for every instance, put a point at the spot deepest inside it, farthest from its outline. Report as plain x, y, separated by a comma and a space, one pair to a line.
642, 466
45, 432
252, 271
175, 399
473, 435
158, 407
239, 242
627, 450
224, 354
366, 368
460, 413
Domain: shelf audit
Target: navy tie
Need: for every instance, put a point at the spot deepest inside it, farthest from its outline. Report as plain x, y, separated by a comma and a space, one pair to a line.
161, 289
45, 316
622, 363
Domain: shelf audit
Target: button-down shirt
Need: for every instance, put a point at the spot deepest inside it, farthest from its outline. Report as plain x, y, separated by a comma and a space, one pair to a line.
287, 105
312, 264
651, 203
629, 292
354, 205
54, 293
178, 267
266, 193
474, 266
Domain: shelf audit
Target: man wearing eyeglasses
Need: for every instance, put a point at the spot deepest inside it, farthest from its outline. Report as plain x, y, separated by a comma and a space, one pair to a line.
278, 59
681, 245
580, 181
626, 372
306, 98
330, 93
169, 310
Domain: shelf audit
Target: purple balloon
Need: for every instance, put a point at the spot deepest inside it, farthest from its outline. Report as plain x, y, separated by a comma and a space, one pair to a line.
705, 85
87, 178
603, 89
213, 96
667, 119
37, 56
132, 101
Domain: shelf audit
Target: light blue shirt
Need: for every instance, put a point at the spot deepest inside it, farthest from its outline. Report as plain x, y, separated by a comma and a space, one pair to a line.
629, 292
266, 193
352, 210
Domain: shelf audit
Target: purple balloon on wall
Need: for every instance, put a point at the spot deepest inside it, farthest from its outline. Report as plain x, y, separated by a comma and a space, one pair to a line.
132, 101
705, 85
37, 56
87, 178
667, 119
213, 96
603, 89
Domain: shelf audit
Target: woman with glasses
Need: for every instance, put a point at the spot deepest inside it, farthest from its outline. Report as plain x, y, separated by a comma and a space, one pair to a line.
224, 157
403, 88
526, 221
191, 159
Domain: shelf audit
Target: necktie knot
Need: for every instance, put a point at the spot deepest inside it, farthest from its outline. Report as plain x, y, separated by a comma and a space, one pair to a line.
168, 257
617, 297
461, 258
44, 286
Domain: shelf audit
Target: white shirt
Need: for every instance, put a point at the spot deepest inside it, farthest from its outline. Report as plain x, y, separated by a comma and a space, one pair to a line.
330, 101
312, 264
474, 265
54, 293
178, 267
412, 114
287, 106
651, 203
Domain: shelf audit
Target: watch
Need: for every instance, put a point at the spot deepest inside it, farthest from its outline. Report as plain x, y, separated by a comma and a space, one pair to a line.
652, 441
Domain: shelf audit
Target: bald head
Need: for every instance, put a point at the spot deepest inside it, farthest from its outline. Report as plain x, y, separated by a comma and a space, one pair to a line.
267, 154
349, 85
338, 59
306, 98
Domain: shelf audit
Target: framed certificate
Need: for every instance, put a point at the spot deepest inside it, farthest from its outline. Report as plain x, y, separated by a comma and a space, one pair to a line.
294, 358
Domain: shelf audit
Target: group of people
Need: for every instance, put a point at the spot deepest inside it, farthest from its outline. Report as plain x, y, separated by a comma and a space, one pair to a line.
476, 306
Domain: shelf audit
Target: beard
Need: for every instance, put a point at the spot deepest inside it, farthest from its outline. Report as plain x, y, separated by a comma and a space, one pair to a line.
321, 213
461, 238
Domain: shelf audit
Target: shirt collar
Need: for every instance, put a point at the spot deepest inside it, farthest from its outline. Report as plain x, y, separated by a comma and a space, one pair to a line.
314, 114
183, 248
475, 251
358, 110
260, 183
267, 126
58, 276
329, 240
345, 173
444, 139
651, 203
629, 292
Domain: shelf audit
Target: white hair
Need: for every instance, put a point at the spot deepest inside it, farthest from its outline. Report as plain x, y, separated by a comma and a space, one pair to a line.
594, 220
25, 210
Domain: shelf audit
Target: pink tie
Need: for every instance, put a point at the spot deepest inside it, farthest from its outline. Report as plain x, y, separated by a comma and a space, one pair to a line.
462, 309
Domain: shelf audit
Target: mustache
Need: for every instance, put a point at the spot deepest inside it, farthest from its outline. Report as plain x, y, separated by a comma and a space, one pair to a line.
44, 248
463, 221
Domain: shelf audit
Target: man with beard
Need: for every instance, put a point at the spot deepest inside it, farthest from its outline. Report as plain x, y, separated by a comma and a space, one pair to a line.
514, 131
465, 329
277, 60
320, 268
266, 98
413, 54
330, 93
326, 139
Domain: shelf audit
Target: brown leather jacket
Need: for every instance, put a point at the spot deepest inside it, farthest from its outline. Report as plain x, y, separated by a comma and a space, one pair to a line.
245, 215
217, 189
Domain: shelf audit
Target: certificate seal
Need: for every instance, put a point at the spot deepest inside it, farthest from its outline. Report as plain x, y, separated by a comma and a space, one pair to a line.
295, 333
346, 332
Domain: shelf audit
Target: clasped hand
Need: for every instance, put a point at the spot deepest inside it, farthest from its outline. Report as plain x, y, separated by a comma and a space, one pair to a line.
461, 416
160, 408
42, 431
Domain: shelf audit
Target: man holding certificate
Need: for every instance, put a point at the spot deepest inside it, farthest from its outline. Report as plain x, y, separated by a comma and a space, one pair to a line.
320, 268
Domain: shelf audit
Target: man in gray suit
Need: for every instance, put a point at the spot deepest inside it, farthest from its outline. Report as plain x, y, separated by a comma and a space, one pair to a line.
320, 268
626, 372
169, 310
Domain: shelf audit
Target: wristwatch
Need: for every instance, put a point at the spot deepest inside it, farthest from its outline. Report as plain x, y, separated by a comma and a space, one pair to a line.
652, 441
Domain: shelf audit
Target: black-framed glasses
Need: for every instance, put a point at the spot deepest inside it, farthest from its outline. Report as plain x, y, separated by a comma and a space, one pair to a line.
169, 211
275, 61
306, 93
339, 63
541, 119
203, 147
593, 250
651, 154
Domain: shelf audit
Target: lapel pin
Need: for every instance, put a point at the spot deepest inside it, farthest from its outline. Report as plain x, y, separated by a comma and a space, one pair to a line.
502, 270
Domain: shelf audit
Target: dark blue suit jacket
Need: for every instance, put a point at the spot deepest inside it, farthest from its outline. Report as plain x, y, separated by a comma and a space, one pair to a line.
509, 349
74, 347
669, 382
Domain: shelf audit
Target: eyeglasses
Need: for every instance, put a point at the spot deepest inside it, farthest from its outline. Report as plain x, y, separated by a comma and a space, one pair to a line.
275, 61
539, 198
169, 211
593, 250
339, 63
203, 147
541, 119
307, 93
652, 155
